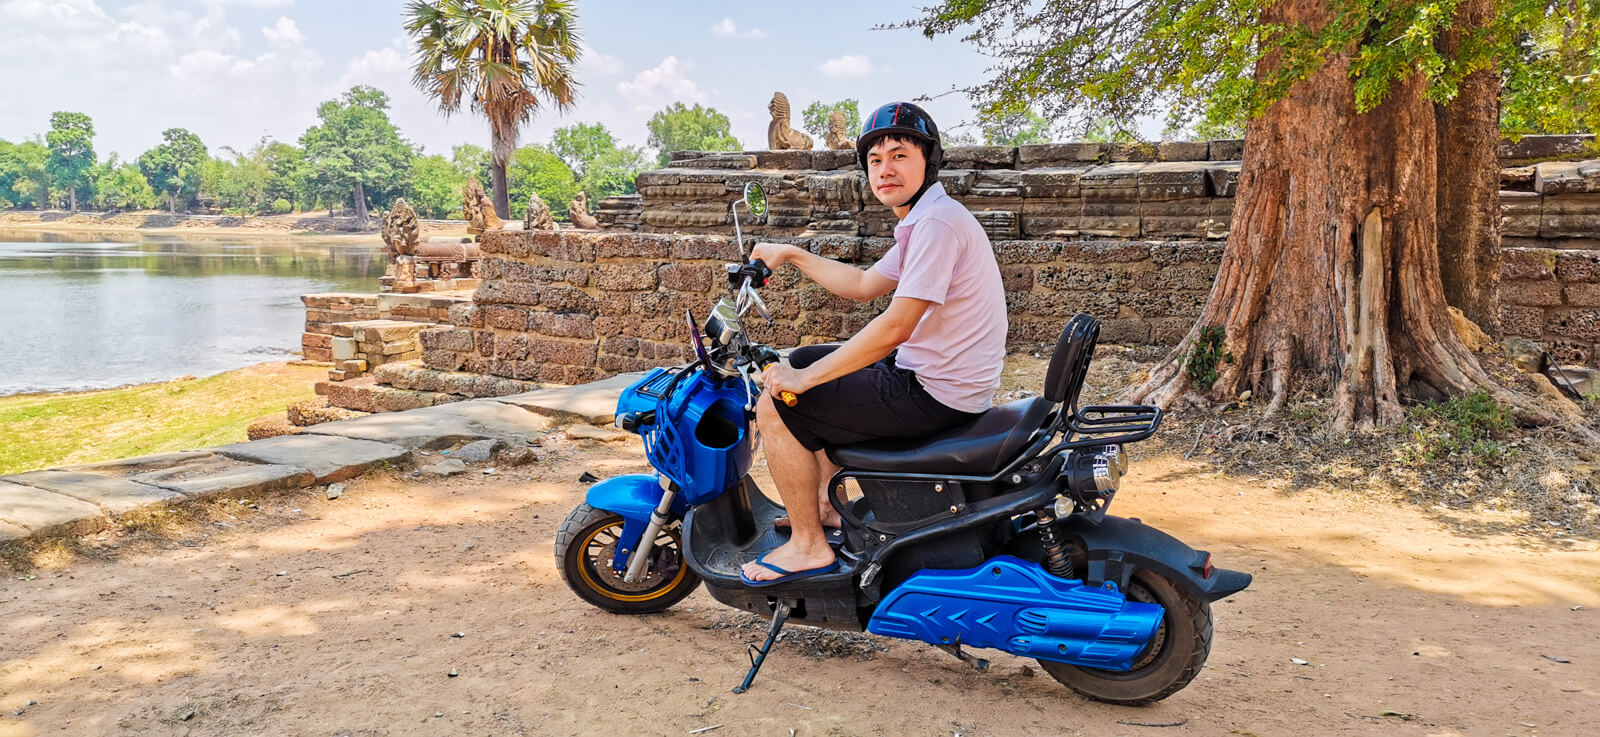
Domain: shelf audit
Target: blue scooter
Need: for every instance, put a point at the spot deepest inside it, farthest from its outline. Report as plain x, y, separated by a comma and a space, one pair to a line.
992, 534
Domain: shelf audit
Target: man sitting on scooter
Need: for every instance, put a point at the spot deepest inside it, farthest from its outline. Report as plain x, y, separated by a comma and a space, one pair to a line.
929, 362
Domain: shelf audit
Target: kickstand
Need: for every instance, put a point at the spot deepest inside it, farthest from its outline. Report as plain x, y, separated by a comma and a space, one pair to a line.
977, 663
780, 614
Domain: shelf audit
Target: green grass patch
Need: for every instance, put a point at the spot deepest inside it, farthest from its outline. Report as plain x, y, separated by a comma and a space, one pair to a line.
45, 430
1470, 426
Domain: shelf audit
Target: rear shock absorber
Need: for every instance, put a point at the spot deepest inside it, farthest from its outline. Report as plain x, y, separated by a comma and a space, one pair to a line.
1056, 559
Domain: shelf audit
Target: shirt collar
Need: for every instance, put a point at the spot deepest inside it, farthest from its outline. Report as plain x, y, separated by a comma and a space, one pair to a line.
922, 208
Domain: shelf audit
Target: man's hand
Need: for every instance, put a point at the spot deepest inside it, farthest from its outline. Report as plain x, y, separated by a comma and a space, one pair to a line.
779, 378
773, 254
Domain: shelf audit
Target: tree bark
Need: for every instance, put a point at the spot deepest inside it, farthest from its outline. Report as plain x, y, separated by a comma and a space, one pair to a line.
361, 207
1331, 271
502, 197
1469, 182
72, 199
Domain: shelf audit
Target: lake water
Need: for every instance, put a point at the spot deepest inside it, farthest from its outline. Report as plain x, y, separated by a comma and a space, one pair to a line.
81, 311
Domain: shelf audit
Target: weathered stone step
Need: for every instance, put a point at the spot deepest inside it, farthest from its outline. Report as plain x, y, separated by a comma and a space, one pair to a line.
366, 395
414, 376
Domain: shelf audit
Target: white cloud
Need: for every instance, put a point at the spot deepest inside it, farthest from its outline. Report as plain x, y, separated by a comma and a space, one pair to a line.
598, 63
726, 28
284, 32
847, 66
668, 82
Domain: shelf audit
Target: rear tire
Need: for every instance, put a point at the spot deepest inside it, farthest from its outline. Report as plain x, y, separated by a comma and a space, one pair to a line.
584, 546
1177, 650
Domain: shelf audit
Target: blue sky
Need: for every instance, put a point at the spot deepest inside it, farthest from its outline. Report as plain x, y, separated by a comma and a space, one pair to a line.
236, 70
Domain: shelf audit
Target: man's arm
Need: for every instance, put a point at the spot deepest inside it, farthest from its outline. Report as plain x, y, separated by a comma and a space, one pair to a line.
861, 285
881, 336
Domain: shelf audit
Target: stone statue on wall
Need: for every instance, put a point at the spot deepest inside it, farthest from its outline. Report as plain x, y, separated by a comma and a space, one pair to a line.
538, 217
401, 232
780, 137
478, 208
839, 131
578, 213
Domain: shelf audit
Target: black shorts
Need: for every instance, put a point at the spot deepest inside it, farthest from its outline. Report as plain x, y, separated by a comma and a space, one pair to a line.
879, 401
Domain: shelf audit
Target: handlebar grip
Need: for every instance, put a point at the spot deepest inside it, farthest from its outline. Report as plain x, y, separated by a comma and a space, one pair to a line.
762, 273
766, 359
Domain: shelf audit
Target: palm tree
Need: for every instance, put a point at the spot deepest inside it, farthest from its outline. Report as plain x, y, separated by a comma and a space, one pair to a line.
512, 57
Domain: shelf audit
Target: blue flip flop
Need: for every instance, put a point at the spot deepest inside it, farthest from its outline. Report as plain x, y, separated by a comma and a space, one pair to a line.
785, 576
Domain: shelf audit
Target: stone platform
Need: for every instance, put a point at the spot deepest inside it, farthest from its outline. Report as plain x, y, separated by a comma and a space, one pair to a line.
85, 498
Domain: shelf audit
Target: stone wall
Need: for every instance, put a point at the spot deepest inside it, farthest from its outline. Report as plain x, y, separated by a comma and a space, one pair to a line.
571, 306
1063, 191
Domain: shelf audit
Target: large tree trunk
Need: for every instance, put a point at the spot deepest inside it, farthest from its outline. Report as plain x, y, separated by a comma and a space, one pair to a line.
502, 196
72, 199
1331, 271
1469, 182
361, 207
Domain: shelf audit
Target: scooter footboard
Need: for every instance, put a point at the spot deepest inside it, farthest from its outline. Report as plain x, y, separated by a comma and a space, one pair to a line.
1015, 606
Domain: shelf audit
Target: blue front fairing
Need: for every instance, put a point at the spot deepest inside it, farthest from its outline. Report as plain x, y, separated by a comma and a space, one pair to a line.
700, 439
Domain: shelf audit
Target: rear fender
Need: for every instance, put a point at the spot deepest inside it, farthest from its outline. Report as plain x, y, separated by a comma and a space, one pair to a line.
634, 497
1117, 546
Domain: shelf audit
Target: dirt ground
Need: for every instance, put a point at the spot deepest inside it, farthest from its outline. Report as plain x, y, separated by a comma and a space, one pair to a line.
349, 617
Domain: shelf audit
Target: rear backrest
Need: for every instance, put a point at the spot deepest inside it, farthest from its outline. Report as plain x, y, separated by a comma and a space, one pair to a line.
1070, 362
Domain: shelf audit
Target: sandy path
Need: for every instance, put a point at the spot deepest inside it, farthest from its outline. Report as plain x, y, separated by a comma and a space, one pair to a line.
201, 636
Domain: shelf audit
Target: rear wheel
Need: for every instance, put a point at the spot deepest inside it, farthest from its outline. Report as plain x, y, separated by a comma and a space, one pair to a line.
1176, 653
585, 545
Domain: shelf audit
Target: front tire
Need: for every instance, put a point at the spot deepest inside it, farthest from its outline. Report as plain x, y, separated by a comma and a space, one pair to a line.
584, 546
1177, 650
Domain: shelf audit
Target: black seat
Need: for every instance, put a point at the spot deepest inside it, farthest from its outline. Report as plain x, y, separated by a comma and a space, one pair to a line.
983, 446
980, 447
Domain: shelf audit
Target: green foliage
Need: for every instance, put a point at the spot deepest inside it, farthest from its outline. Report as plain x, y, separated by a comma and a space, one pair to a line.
537, 169
24, 181
71, 141
1209, 350
436, 187
121, 187
814, 119
1016, 128
1083, 60
282, 162
1106, 130
173, 167
602, 168
681, 128
282, 206
614, 172
355, 150
1470, 425
474, 161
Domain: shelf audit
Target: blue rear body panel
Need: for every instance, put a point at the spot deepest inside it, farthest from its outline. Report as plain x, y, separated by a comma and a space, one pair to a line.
1012, 605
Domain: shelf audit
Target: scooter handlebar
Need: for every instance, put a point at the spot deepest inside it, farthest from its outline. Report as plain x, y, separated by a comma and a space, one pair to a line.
765, 358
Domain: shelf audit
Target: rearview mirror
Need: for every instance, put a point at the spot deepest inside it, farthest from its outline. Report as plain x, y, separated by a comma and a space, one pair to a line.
755, 198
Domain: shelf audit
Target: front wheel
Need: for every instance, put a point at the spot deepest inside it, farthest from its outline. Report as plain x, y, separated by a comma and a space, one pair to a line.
585, 544
1176, 653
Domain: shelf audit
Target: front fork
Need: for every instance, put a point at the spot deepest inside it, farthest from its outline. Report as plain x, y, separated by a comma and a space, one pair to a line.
640, 557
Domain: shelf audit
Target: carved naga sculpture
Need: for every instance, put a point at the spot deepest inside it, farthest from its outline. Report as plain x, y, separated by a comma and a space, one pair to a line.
401, 232
839, 132
780, 137
579, 213
538, 217
478, 208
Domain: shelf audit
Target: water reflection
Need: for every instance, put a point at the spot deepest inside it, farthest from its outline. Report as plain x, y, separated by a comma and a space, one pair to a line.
89, 310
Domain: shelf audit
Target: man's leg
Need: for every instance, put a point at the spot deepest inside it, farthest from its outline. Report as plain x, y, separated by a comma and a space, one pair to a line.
825, 471
795, 472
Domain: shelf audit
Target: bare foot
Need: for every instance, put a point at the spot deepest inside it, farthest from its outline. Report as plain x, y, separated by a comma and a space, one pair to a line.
790, 557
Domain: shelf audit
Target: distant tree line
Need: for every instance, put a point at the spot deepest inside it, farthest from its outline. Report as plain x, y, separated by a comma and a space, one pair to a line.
353, 159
